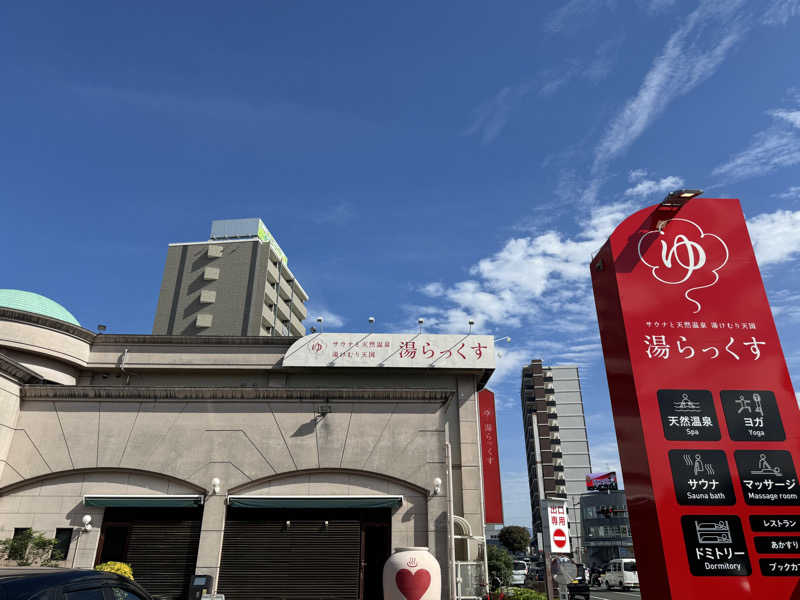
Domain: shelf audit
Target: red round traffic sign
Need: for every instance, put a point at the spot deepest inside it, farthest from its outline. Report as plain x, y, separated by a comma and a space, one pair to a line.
559, 538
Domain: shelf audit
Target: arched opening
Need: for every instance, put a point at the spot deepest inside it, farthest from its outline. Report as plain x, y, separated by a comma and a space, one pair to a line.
145, 519
338, 524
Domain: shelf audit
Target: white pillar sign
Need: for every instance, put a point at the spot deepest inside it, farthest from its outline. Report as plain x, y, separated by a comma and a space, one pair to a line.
558, 526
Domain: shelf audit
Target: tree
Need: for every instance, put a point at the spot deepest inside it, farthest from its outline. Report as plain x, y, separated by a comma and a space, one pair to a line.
515, 538
500, 564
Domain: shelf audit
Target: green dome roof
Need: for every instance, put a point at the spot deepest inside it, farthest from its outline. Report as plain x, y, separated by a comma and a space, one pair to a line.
35, 303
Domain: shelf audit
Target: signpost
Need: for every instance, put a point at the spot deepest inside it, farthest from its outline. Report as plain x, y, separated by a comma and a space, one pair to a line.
706, 417
558, 526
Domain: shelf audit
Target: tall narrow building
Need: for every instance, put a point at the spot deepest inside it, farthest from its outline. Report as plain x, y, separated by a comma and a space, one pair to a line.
236, 283
556, 443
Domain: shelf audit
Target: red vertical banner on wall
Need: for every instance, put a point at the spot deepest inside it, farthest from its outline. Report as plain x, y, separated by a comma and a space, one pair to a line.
705, 413
492, 493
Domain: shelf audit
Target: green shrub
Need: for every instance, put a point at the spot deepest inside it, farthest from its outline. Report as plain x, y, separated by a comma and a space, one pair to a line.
120, 568
29, 548
518, 593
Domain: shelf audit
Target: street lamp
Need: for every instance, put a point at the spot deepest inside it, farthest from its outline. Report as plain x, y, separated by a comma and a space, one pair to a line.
678, 198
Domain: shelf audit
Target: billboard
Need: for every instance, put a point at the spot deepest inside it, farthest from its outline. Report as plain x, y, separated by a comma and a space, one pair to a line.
492, 492
601, 481
706, 417
398, 350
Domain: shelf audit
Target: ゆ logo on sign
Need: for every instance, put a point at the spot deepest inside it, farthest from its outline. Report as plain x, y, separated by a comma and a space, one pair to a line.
685, 255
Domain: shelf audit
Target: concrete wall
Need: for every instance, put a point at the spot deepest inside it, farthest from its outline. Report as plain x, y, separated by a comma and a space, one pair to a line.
57, 501
235, 441
9, 413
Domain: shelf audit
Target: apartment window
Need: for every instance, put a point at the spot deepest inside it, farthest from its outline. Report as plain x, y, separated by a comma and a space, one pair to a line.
63, 540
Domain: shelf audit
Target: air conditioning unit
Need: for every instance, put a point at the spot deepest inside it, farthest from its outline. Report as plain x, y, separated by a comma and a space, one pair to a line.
208, 296
204, 320
211, 273
214, 251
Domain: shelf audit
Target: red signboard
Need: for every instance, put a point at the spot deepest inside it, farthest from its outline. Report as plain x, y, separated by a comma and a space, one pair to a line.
492, 494
706, 417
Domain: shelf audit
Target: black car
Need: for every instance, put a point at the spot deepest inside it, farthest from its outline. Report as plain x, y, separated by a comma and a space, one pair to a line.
67, 584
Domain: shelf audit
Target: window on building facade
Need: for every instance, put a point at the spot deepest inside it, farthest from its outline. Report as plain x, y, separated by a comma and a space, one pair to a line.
61, 547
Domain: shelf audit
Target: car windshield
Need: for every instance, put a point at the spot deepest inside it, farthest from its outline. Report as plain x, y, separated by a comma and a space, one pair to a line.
520, 566
630, 566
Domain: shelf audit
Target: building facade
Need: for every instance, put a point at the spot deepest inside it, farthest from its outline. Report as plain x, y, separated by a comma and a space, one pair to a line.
556, 442
606, 528
236, 283
270, 463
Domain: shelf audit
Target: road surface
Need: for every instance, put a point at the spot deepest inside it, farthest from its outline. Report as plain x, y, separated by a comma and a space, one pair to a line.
602, 594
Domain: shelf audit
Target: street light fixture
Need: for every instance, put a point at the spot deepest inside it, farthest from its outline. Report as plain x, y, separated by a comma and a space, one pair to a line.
678, 198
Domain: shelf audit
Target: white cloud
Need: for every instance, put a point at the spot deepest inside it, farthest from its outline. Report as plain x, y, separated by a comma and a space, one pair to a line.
593, 70
491, 117
775, 236
780, 11
573, 10
433, 289
649, 187
776, 147
637, 175
543, 277
790, 116
770, 150
691, 55
329, 318
790, 194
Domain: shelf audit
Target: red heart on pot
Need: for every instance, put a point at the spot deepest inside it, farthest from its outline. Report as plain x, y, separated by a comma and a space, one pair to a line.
413, 585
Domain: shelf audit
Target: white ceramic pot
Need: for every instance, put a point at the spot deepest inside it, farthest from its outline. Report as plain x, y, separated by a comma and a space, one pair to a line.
412, 574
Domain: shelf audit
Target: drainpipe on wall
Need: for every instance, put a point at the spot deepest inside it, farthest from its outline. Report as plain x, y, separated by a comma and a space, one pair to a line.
451, 548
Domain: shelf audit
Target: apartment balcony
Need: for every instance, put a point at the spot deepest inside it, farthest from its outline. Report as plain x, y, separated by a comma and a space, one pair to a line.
272, 272
298, 308
282, 310
285, 289
554, 428
296, 327
558, 468
557, 454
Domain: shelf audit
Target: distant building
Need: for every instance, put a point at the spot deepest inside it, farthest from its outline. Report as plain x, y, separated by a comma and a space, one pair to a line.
492, 531
606, 528
556, 442
236, 283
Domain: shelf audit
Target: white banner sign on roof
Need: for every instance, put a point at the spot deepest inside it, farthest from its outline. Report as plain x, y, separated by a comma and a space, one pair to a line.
413, 350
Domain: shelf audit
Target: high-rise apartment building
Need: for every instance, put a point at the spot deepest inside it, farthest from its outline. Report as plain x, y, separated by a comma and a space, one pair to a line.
236, 283
556, 443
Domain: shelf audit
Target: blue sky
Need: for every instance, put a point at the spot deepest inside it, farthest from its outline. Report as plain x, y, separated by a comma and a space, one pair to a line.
438, 160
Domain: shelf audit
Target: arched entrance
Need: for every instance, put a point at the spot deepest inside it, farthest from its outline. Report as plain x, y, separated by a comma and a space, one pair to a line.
145, 519
315, 534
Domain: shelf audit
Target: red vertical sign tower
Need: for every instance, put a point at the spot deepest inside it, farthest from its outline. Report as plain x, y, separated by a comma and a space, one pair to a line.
492, 493
706, 417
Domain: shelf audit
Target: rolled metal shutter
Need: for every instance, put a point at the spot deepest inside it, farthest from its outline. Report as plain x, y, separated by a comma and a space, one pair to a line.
162, 548
266, 560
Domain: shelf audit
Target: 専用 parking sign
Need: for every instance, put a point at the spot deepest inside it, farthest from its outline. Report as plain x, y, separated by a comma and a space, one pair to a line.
706, 416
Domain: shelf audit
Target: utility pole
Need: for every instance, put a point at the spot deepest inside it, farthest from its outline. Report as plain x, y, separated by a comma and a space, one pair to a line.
548, 571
